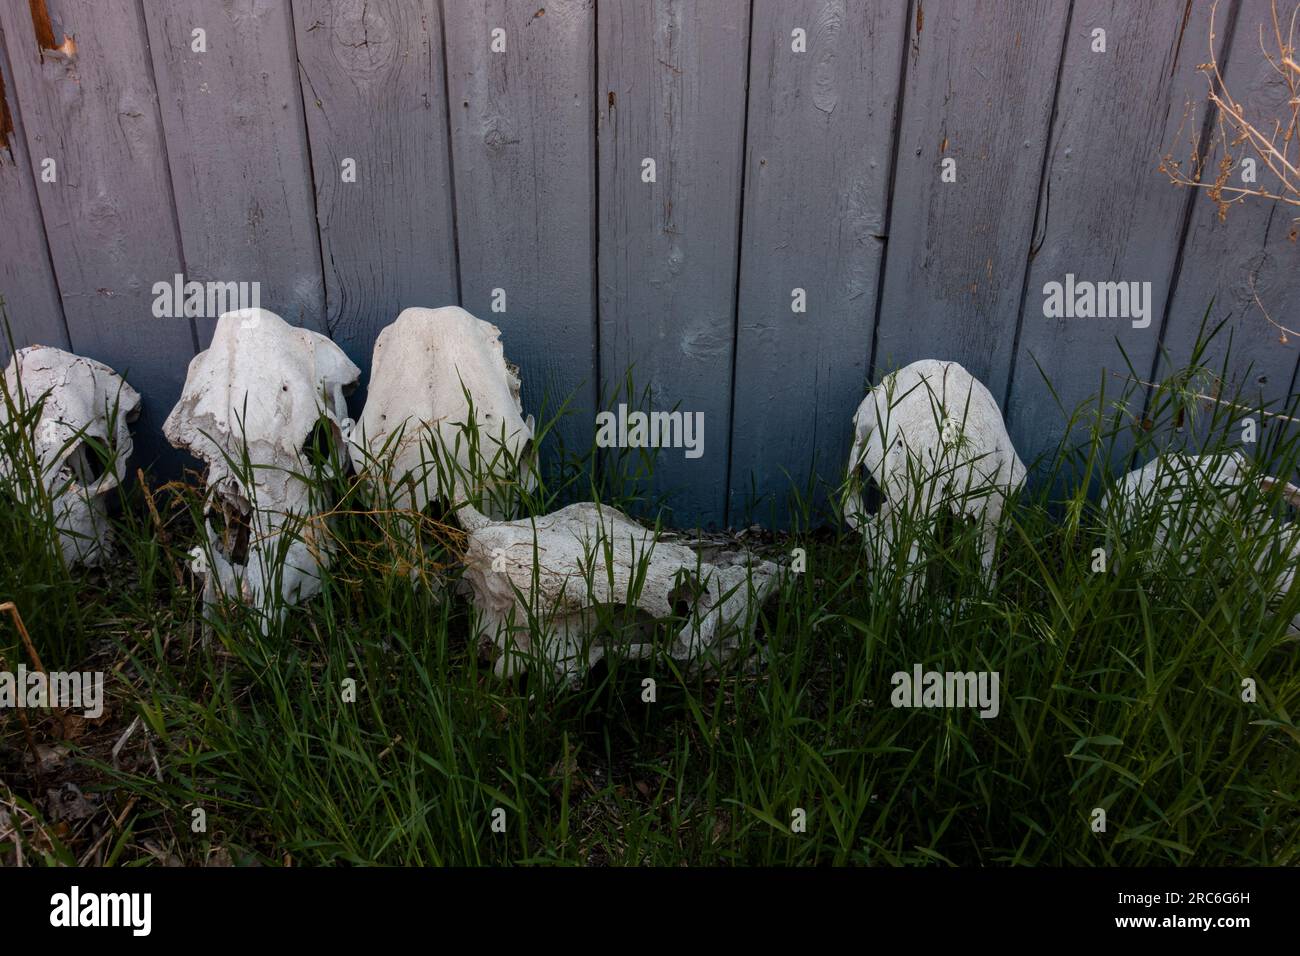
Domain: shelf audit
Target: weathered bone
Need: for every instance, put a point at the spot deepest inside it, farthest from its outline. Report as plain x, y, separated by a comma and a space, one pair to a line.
1213, 488
251, 404
932, 438
537, 584
414, 425
80, 401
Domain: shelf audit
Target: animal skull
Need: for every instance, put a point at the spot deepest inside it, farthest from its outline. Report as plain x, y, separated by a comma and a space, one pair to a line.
414, 425
251, 406
932, 438
81, 401
539, 586
1189, 496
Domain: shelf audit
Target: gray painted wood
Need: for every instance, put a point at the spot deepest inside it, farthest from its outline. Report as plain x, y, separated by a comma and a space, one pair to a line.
109, 217
372, 76
523, 134
1106, 213
552, 209
672, 88
27, 283
978, 88
1255, 244
820, 141
238, 151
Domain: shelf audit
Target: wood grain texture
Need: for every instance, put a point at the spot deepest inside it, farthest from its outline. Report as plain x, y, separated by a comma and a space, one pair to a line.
238, 151
373, 81
1105, 211
820, 140
1253, 250
27, 285
978, 88
672, 88
109, 217
522, 171
523, 134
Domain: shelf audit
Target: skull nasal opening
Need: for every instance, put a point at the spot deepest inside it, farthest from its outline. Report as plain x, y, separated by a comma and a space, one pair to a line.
230, 526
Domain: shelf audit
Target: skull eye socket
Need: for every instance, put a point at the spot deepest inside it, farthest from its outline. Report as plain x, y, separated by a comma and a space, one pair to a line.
82, 467
870, 493
231, 528
320, 444
86, 463
685, 597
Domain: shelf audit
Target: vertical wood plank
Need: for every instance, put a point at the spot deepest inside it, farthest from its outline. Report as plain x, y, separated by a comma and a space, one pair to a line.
1106, 212
978, 88
523, 135
1252, 251
27, 282
672, 89
93, 109
818, 154
372, 76
238, 151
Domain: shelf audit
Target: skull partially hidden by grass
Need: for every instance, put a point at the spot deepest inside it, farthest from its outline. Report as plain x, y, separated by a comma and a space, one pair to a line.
931, 440
444, 415
1207, 515
565, 588
263, 407
70, 442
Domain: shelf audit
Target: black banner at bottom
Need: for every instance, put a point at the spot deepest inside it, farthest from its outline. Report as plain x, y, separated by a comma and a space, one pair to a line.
213, 906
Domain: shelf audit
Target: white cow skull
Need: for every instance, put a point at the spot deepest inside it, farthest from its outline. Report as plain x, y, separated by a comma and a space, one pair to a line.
932, 439
414, 425
250, 408
1188, 497
539, 584
81, 402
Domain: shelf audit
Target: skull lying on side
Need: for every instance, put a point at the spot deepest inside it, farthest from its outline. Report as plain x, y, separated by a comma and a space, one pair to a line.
428, 367
932, 439
260, 405
1194, 500
84, 412
540, 587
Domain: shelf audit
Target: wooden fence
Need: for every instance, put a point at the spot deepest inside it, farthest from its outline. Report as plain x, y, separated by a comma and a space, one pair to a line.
355, 157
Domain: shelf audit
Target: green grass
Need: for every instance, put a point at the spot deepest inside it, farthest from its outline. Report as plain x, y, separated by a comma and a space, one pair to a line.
1120, 690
